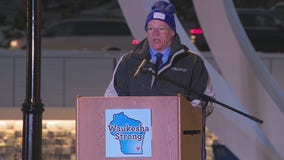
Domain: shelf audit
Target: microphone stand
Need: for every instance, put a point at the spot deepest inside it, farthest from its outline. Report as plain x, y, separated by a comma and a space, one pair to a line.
205, 99
203, 130
204, 102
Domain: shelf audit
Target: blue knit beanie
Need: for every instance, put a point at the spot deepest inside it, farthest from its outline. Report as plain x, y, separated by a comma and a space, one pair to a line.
162, 11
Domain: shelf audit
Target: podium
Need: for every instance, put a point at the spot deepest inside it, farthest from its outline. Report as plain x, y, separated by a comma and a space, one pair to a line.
175, 131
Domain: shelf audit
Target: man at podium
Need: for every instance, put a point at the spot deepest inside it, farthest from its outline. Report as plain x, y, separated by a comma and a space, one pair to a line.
160, 65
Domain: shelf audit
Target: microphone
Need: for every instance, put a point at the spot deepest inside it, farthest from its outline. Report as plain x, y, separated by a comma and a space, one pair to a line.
142, 64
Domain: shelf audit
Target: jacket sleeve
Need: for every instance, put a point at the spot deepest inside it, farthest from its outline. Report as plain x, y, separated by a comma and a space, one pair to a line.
202, 84
115, 85
120, 79
199, 80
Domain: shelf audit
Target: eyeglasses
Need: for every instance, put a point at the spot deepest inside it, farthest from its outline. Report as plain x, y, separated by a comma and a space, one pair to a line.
159, 29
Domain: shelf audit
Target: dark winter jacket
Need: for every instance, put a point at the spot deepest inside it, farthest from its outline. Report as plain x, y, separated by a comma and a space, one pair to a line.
184, 73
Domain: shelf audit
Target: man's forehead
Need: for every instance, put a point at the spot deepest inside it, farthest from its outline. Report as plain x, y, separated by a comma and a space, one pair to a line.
157, 22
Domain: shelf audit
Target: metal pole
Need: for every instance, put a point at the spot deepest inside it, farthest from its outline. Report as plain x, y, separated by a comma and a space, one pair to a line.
32, 107
203, 139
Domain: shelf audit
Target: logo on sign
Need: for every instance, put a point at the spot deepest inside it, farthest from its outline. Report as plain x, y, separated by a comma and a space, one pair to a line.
129, 132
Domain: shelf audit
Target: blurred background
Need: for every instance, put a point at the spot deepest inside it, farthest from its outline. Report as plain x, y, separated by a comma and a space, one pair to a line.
67, 20
81, 42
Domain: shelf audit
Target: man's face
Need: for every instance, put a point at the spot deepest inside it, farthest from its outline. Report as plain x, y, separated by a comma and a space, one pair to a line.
159, 34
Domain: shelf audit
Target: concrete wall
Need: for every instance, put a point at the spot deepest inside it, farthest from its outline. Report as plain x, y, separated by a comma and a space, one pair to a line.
64, 75
67, 74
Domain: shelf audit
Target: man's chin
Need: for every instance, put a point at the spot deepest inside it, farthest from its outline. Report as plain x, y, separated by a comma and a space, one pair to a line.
157, 47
